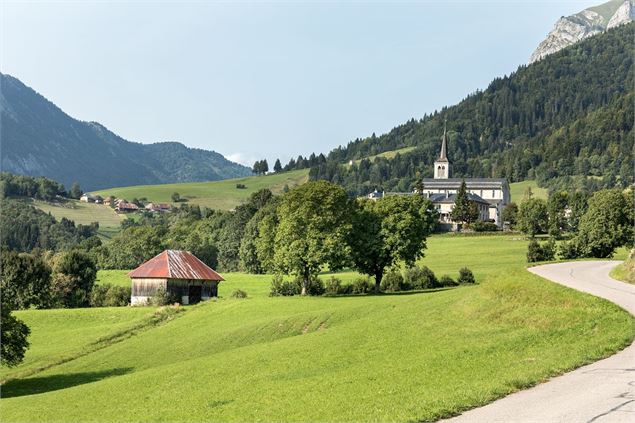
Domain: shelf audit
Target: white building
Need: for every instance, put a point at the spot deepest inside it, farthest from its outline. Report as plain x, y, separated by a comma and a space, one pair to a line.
493, 191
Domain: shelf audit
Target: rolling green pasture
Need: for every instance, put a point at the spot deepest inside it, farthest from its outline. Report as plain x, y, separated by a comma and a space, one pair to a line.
388, 154
401, 357
220, 195
83, 213
517, 190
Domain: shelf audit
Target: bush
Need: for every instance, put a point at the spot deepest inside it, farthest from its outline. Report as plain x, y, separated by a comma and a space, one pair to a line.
238, 293
333, 286
316, 286
361, 285
392, 282
446, 280
537, 252
241, 186
163, 298
420, 278
569, 251
466, 276
484, 226
98, 295
118, 296
280, 287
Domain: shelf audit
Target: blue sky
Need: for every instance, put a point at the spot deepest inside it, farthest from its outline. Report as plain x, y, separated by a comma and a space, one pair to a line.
265, 79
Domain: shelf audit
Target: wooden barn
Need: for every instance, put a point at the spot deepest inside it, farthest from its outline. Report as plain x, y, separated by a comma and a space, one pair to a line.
178, 272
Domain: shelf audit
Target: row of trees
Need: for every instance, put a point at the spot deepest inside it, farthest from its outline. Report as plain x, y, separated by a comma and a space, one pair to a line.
596, 224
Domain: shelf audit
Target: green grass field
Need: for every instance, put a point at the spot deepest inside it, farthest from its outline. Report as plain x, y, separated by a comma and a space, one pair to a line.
401, 357
388, 154
517, 190
84, 213
220, 195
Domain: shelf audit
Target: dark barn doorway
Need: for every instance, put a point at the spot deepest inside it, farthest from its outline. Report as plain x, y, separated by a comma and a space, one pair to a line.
195, 294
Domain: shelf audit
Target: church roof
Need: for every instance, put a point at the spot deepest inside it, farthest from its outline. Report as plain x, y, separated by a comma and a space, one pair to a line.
443, 156
451, 198
453, 183
174, 264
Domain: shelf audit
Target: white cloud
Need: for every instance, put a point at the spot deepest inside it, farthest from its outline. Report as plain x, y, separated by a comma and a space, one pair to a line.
242, 158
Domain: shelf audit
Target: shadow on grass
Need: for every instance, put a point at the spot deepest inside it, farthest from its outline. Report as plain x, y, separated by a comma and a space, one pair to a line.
42, 384
396, 293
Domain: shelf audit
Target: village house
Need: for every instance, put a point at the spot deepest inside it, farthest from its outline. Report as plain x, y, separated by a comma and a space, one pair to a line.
179, 273
158, 207
125, 207
87, 198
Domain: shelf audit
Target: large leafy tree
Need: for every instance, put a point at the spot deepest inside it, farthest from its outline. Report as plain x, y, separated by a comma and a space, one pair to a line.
313, 230
390, 230
607, 224
556, 209
25, 281
74, 277
533, 217
13, 337
464, 210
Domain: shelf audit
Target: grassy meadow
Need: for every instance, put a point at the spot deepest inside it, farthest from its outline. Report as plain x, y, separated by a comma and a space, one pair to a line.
84, 213
398, 357
220, 195
517, 190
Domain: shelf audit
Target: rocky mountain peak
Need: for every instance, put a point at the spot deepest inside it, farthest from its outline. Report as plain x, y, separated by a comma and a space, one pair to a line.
569, 30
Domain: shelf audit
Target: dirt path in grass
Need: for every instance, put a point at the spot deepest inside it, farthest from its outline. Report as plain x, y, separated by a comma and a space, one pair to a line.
600, 392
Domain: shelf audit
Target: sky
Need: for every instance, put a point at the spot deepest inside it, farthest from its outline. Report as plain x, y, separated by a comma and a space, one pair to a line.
273, 79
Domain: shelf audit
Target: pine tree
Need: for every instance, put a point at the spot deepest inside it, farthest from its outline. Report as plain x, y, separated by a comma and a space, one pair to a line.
277, 167
465, 210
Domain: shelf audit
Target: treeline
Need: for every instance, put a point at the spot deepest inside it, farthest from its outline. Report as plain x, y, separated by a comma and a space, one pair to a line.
565, 121
588, 225
25, 228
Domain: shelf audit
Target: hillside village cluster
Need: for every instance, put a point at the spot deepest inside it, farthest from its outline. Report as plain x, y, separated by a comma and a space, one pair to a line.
122, 206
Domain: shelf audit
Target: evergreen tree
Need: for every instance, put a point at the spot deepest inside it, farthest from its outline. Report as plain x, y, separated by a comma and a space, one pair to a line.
464, 210
277, 167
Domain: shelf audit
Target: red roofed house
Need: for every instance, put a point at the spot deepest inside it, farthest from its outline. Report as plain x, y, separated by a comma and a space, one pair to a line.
178, 272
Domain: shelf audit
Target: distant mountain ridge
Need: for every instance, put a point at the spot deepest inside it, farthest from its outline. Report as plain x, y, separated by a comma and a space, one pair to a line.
568, 30
39, 139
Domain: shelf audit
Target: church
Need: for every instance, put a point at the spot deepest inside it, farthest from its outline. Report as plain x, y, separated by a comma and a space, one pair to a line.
491, 195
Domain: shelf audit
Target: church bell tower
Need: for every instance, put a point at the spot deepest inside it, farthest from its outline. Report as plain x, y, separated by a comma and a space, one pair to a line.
442, 165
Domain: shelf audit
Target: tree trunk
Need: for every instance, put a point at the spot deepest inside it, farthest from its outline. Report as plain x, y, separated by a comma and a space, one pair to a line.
378, 277
304, 284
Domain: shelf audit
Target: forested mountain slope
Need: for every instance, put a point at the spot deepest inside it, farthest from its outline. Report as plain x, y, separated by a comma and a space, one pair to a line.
39, 139
559, 121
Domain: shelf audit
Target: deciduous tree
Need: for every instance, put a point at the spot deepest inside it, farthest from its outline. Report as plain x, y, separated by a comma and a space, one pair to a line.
390, 230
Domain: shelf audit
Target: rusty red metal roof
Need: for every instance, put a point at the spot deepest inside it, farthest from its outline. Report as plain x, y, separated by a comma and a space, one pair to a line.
174, 264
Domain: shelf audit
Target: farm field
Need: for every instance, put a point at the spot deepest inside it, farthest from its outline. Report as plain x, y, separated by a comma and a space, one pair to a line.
84, 213
399, 357
220, 195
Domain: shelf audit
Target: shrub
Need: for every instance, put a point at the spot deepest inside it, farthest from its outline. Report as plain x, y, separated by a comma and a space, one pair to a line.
569, 250
446, 280
280, 287
163, 298
333, 286
238, 293
420, 278
392, 281
465, 276
108, 295
537, 252
361, 285
241, 186
316, 286
484, 226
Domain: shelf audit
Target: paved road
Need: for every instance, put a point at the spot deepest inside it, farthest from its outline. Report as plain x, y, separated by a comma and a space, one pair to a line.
600, 392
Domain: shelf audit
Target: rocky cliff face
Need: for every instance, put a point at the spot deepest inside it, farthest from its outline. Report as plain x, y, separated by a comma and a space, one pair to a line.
571, 29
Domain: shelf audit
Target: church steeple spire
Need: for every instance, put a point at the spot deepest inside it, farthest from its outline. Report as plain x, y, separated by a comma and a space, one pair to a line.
443, 157
442, 164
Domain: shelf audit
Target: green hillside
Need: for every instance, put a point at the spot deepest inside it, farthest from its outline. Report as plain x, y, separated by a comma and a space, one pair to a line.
517, 190
221, 195
84, 213
401, 357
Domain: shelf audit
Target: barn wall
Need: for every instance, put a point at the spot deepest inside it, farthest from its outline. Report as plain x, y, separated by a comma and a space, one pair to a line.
144, 288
